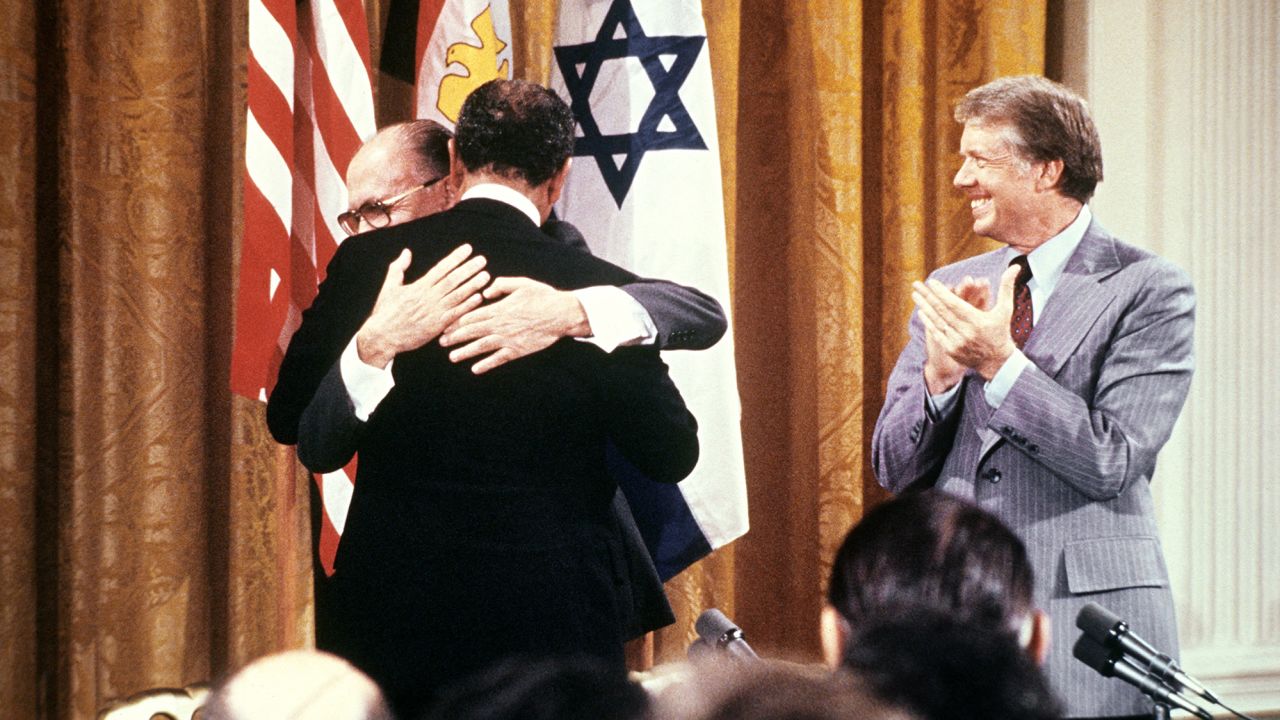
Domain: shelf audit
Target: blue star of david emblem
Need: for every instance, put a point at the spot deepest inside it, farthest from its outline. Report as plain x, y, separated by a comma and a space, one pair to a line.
682, 133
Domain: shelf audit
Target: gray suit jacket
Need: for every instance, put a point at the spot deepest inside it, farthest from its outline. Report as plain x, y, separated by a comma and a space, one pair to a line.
1066, 460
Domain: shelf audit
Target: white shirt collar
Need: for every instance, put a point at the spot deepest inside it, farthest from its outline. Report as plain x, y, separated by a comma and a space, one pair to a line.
1050, 259
510, 196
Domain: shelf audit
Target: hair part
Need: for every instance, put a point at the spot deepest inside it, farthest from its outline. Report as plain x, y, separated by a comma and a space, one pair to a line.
515, 129
1048, 121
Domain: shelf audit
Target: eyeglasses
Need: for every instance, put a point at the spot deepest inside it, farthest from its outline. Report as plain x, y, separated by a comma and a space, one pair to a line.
377, 213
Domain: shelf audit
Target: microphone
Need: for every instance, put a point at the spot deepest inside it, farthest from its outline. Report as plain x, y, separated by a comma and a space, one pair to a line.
1114, 664
1105, 627
717, 631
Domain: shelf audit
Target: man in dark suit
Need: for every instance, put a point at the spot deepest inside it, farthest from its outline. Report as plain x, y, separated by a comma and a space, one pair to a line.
1048, 404
480, 525
402, 174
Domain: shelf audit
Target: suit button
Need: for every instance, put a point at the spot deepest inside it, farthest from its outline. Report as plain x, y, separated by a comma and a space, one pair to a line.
1033, 448
991, 475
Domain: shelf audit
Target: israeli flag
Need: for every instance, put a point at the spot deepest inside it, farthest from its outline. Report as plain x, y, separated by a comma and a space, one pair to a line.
645, 190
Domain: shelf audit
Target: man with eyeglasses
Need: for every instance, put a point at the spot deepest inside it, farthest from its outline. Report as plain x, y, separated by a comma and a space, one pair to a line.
481, 523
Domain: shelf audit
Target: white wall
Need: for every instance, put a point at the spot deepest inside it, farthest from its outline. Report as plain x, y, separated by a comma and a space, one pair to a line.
1185, 94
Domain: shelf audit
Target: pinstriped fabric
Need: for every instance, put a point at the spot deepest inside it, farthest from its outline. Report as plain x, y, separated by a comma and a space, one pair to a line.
1095, 565
1067, 459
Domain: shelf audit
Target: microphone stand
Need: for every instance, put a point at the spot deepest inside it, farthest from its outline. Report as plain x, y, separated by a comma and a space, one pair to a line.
1161, 711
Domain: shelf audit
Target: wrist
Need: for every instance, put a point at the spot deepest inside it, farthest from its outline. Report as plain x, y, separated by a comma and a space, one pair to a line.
988, 368
937, 383
577, 324
372, 349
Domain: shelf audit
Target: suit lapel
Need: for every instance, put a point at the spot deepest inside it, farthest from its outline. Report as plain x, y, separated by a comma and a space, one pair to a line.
978, 410
1077, 301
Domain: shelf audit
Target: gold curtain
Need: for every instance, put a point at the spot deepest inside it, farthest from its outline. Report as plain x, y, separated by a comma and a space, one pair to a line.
151, 534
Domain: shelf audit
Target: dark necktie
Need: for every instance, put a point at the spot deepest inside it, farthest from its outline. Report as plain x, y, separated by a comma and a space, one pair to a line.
1020, 323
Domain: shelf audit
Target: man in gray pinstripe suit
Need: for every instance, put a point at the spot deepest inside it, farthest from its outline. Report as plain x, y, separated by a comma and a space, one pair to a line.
1055, 432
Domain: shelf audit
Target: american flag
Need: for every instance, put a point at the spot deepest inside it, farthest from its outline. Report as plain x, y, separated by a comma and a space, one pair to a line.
310, 108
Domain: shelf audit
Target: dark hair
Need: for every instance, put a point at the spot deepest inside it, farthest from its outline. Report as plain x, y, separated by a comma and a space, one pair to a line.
516, 129
1049, 122
774, 690
428, 141
931, 550
940, 668
574, 688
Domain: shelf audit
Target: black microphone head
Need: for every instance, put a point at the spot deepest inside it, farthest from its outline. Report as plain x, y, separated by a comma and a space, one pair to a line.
712, 625
1095, 655
1097, 622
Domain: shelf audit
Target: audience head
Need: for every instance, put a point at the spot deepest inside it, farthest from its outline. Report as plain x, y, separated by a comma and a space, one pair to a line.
400, 174
771, 690
941, 668
516, 132
546, 689
300, 685
1042, 121
932, 551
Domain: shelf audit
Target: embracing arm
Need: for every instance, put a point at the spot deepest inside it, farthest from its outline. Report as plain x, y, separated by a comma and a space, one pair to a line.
342, 302
329, 432
682, 317
686, 318
646, 415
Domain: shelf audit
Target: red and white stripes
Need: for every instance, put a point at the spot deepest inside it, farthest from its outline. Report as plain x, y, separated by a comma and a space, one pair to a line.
310, 107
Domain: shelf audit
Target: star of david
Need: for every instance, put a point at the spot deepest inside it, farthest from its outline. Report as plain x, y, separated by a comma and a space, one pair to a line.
666, 103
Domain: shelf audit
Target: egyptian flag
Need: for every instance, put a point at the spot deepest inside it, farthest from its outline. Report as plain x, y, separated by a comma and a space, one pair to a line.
645, 190
446, 49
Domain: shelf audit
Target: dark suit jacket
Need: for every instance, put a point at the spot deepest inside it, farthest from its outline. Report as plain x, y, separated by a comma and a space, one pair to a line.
1066, 460
685, 318
329, 434
480, 524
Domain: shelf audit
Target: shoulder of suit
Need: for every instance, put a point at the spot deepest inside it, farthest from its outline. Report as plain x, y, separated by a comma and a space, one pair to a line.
1145, 263
977, 266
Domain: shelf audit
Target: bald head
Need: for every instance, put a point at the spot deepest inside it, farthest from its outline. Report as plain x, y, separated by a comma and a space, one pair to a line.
300, 684
399, 159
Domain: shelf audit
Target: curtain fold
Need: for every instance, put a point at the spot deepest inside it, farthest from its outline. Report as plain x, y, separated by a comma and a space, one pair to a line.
152, 534
18, 367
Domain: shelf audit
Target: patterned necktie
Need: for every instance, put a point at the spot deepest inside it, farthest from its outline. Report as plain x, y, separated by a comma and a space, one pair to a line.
1020, 323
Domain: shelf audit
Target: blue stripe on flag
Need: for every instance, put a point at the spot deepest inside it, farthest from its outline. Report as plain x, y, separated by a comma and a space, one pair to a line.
667, 525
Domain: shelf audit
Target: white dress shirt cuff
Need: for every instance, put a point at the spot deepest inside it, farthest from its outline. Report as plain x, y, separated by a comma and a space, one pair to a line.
998, 388
939, 406
615, 318
366, 385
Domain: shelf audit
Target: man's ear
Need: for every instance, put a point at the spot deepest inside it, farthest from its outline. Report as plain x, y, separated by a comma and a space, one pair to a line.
1050, 175
835, 636
556, 184
1037, 644
455, 165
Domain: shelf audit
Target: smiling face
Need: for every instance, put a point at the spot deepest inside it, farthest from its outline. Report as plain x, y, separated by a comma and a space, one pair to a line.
1008, 195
